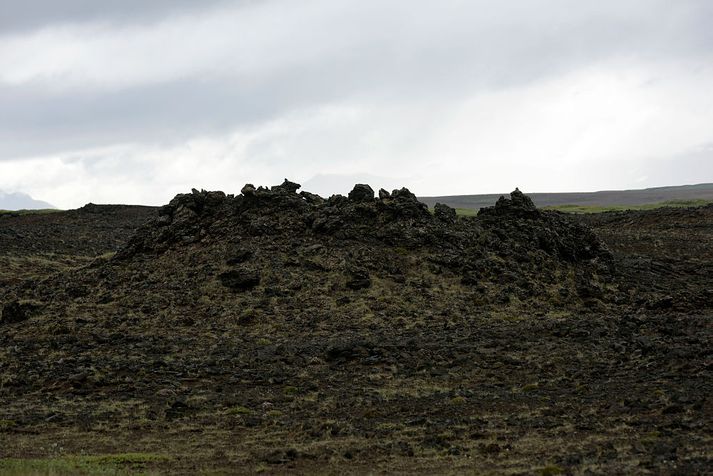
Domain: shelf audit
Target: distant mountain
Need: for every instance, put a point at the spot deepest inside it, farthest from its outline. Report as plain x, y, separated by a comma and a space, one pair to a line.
604, 198
21, 201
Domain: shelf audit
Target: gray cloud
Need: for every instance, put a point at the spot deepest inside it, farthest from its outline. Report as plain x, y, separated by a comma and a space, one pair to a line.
430, 84
32, 14
443, 61
693, 167
168, 112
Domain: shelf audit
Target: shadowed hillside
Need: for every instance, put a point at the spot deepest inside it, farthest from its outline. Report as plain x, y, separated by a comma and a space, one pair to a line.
37, 244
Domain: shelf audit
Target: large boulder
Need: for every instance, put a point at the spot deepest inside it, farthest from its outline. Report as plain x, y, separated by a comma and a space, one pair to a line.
248, 190
405, 204
444, 213
518, 205
361, 193
357, 277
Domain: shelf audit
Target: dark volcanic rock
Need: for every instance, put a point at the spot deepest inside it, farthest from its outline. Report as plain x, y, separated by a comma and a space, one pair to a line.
15, 312
399, 219
86, 232
444, 213
239, 256
531, 243
361, 193
407, 204
311, 198
358, 278
240, 279
518, 204
287, 186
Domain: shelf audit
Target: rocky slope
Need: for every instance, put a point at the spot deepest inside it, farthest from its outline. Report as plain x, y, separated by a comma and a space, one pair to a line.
38, 245
279, 331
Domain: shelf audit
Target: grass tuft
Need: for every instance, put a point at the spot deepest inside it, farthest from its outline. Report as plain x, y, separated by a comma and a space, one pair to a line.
239, 410
111, 464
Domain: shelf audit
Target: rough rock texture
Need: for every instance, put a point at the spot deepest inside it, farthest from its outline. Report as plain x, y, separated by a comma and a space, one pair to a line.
361, 193
277, 331
518, 205
14, 312
444, 213
41, 244
535, 245
87, 231
240, 279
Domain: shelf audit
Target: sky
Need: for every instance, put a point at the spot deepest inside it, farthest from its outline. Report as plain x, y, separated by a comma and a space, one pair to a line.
134, 101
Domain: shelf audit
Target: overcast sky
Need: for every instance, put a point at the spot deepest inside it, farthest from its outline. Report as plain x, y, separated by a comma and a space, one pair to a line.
134, 101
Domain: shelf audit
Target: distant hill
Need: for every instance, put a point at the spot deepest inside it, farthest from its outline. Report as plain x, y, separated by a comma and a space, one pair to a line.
599, 199
21, 201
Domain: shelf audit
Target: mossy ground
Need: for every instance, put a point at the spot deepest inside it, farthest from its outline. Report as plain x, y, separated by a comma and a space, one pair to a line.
152, 366
109, 464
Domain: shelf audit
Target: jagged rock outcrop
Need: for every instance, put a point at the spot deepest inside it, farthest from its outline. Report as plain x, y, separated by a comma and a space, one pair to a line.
512, 244
518, 204
361, 193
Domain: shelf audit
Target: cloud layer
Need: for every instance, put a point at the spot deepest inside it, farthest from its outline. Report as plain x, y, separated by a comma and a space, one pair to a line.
130, 103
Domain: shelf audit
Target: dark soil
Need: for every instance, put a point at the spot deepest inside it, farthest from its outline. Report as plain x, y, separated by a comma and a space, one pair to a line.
280, 332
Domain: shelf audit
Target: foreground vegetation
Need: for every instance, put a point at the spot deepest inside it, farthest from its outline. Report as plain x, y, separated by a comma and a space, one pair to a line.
111, 464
